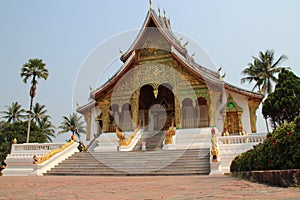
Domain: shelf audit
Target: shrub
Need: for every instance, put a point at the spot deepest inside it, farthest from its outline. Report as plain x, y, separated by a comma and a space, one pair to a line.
280, 150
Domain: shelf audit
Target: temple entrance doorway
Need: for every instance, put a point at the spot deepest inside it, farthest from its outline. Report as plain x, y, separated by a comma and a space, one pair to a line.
156, 107
232, 122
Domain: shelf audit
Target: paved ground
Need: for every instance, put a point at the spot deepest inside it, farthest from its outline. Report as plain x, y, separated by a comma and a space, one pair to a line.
154, 187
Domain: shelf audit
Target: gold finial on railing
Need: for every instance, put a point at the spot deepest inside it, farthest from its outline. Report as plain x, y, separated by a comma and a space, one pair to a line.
14, 141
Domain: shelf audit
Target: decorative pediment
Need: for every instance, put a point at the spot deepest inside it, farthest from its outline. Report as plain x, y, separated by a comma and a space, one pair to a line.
232, 106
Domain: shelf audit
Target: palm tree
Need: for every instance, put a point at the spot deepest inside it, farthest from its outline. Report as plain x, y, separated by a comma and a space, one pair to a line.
72, 123
33, 69
39, 112
47, 128
263, 71
14, 113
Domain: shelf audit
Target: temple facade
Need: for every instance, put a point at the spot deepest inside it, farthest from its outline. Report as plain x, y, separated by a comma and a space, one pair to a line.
160, 83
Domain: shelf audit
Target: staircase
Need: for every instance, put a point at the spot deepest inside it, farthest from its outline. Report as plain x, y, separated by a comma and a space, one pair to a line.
153, 141
173, 162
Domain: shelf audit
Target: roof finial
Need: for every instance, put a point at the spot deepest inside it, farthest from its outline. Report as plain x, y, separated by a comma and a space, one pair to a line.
164, 14
158, 11
223, 77
150, 2
185, 44
219, 70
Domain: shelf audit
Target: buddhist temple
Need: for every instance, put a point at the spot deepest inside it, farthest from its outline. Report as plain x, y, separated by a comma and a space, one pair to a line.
160, 114
160, 83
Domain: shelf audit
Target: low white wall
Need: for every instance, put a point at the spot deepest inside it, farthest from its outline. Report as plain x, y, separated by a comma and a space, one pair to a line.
231, 146
20, 160
39, 169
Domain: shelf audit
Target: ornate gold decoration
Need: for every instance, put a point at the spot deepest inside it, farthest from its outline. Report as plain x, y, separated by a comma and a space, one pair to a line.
232, 116
170, 133
14, 141
253, 106
47, 156
155, 92
104, 106
122, 137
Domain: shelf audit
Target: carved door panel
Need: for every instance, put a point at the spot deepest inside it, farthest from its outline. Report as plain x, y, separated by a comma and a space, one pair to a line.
232, 122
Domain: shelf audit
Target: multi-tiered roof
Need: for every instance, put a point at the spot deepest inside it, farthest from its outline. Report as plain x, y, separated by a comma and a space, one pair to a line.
179, 51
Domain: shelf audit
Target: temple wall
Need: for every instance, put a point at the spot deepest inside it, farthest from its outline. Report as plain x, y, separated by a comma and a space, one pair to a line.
219, 113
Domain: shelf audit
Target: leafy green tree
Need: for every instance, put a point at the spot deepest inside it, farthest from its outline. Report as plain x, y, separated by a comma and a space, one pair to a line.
283, 104
34, 69
38, 112
16, 130
72, 123
14, 113
263, 71
47, 128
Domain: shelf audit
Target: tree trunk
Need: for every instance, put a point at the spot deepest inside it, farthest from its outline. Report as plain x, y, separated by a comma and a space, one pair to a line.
267, 125
32, 95
29, 120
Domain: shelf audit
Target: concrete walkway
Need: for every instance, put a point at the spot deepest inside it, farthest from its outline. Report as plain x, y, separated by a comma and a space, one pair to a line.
153, 187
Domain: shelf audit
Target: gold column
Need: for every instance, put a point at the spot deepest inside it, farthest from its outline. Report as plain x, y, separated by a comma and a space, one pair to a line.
253, 106
213, 104
104, 106
240, 119
177, 112
135, 108
87, 118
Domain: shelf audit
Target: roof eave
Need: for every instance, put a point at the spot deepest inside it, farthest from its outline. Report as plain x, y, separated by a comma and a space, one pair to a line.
95, 94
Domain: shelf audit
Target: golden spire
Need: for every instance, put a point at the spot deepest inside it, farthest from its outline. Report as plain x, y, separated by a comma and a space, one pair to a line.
158, 11
150, 2
164, 14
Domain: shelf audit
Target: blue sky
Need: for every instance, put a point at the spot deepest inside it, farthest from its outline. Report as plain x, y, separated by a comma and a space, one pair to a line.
63, 34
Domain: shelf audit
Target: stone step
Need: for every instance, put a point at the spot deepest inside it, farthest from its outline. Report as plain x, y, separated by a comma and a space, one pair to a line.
118, 173
173, 162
